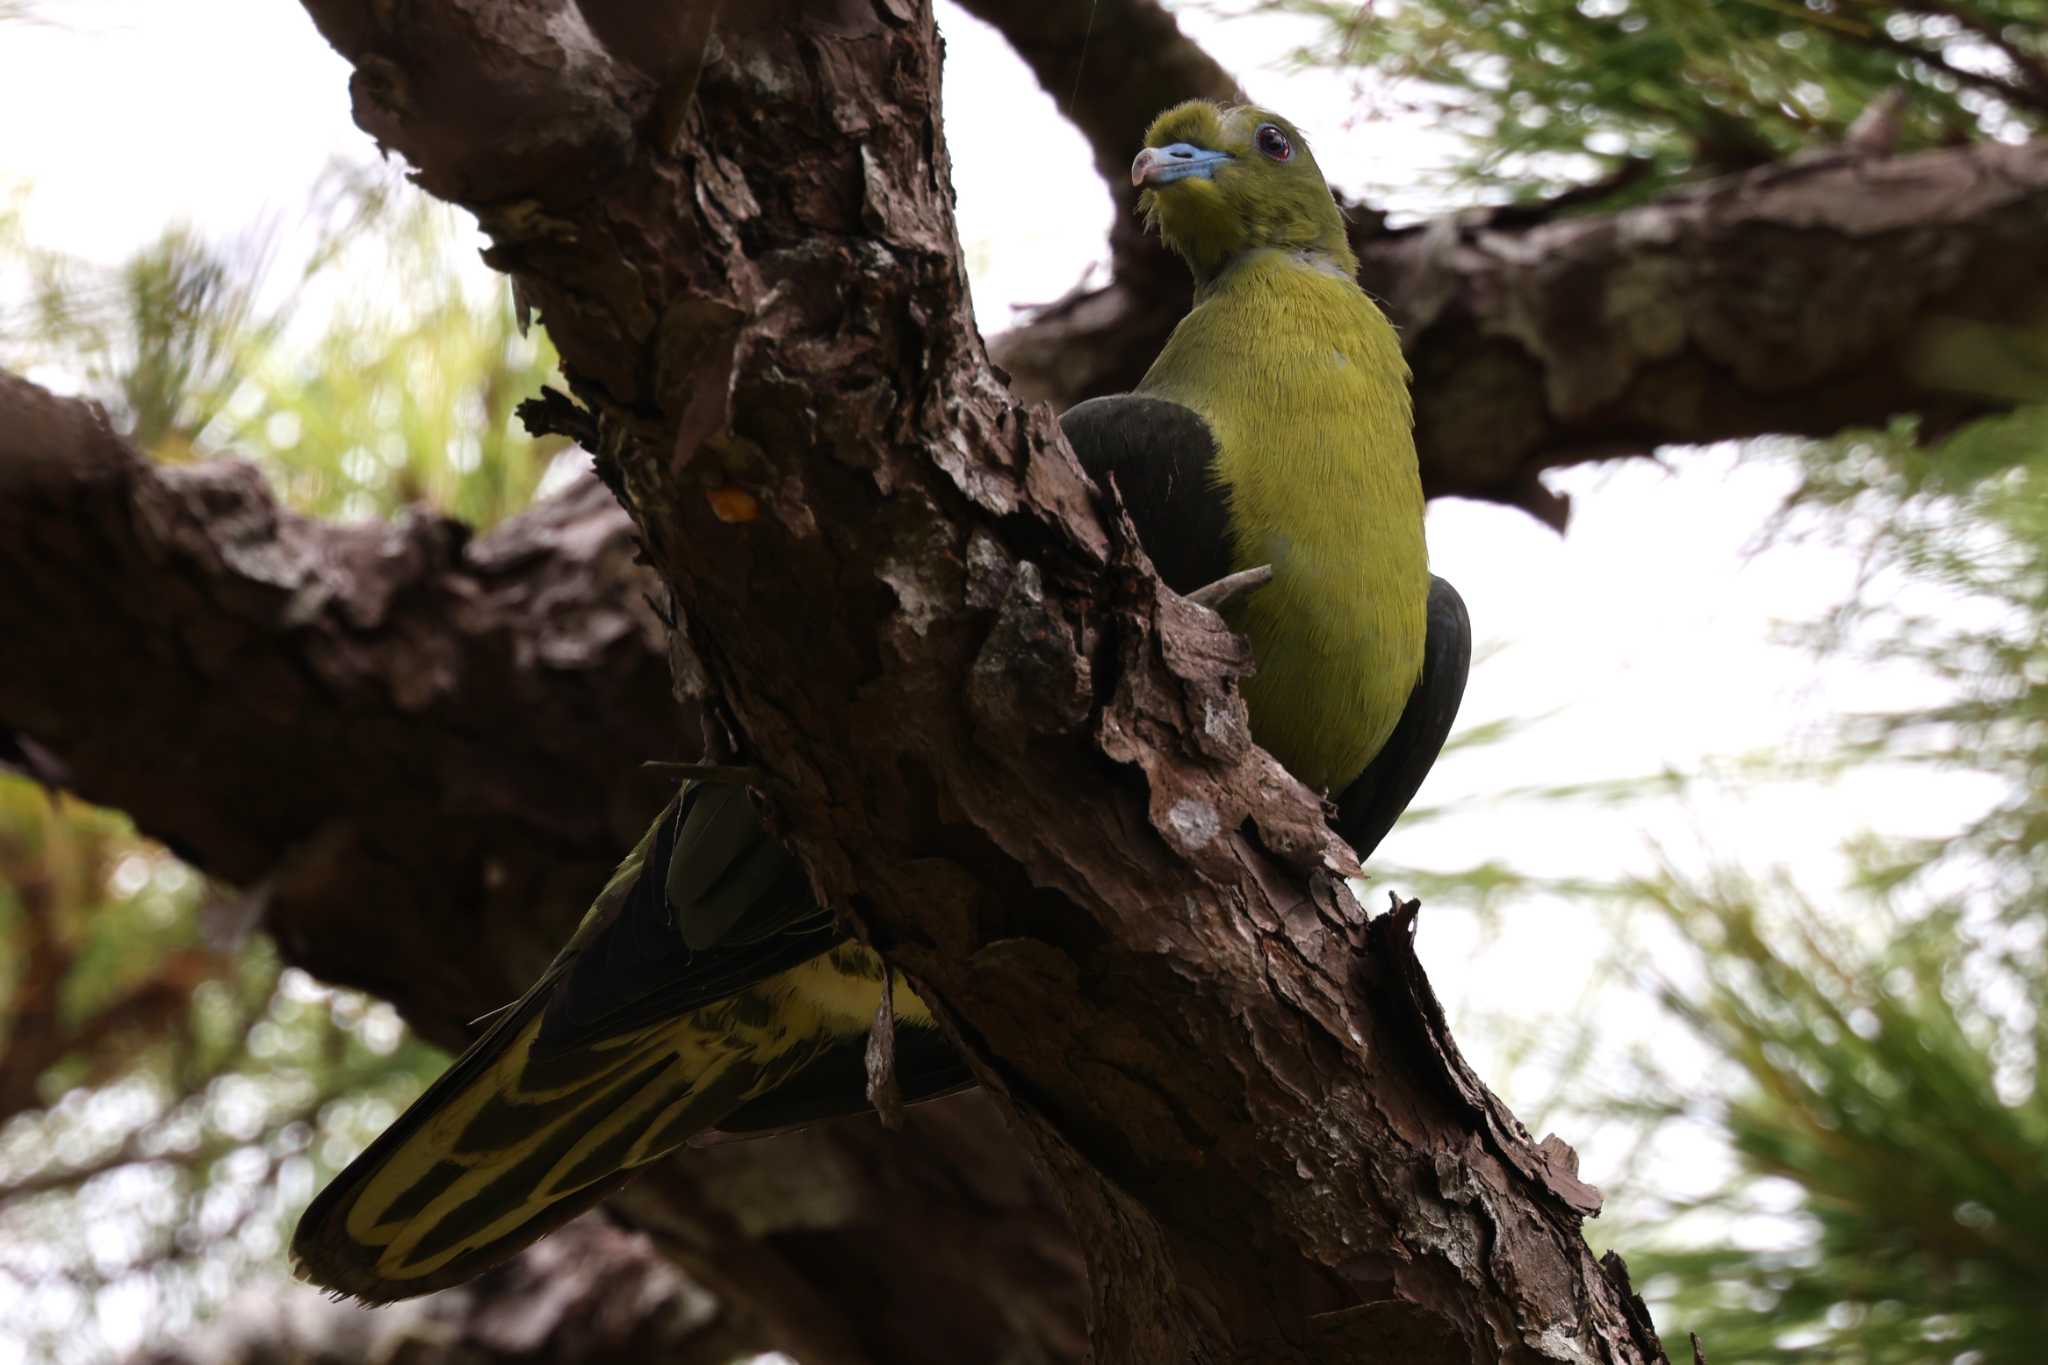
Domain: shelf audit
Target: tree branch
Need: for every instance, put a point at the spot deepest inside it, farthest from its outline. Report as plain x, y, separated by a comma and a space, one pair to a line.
341, 716
1012, 755
848, 1242
589, 1293
196, 652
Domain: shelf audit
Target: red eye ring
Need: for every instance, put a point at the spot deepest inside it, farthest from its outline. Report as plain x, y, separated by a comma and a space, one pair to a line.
1271, 141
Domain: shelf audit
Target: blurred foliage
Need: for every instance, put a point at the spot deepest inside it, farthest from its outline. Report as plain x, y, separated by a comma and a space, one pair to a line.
170, 1095
1854, 1086
1551, 93
1953, 539
401, 397
1876, 1079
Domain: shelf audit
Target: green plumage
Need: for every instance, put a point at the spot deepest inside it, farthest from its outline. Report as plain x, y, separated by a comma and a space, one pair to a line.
707, 991
1301, 379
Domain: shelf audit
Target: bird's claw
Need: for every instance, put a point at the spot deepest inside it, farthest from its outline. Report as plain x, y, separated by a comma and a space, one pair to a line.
1230, 587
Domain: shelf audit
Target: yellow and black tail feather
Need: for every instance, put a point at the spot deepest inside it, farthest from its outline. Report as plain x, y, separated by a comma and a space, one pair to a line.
632, 1043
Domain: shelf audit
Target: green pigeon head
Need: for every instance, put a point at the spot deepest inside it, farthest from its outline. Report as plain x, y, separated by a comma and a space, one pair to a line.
1220, 180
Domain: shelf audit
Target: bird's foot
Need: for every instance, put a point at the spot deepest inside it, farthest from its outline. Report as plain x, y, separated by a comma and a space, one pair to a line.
1230, 587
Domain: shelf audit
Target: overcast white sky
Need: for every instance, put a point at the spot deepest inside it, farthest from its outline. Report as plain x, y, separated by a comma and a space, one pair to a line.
1641, 634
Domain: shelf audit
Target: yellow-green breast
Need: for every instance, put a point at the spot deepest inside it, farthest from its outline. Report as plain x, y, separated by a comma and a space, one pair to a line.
1302, 379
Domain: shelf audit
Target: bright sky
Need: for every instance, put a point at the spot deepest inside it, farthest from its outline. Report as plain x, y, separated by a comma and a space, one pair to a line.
1642, 634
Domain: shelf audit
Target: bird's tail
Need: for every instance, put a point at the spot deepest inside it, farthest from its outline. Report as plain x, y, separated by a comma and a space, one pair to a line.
518, 1137
705, 989
616, 1056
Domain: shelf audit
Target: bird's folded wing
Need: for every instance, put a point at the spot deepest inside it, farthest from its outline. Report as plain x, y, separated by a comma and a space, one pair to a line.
1159, 453
1368, 807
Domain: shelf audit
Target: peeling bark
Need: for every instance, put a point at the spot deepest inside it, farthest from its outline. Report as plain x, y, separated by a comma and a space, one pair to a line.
1015, 760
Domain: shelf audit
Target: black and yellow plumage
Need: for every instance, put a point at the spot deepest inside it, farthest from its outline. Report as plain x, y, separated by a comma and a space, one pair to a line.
706, 991
703, 989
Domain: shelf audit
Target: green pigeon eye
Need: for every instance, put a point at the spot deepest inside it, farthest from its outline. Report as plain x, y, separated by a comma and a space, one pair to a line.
1273, 142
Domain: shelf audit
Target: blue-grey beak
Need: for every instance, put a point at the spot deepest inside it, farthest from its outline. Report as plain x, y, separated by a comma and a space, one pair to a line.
1163, 165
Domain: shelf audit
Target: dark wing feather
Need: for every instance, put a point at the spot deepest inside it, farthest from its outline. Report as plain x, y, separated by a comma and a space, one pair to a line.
1376, 798
1160, 453
747, 908
927, 1066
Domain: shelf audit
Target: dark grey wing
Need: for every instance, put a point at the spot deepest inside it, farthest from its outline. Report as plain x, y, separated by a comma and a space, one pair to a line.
836, 1083
1159, 453
719, 905
1377, 796
744, 913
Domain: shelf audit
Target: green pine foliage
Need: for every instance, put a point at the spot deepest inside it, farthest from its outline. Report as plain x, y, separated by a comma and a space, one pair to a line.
1955, 540
169, 1093
1869, 1062
1551, 93
1875, 1079
399, 399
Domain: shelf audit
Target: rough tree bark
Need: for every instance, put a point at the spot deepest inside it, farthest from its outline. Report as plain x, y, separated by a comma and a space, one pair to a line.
589, 1295
505, 689
1010, 755
420, 752
340, 690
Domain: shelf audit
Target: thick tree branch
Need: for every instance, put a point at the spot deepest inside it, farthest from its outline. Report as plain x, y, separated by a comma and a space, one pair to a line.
931, 1243
1802, 299
339, 717
1013, 757
196, 653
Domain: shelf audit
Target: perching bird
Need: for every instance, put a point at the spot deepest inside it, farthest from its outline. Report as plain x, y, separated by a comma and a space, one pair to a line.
706, 991
1275, 429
